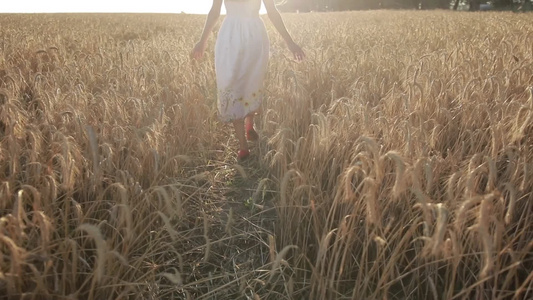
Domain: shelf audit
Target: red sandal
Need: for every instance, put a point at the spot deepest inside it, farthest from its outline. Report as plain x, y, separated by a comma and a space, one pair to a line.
243, 154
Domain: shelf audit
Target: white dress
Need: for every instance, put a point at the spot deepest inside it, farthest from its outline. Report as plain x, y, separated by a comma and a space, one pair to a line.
241, 60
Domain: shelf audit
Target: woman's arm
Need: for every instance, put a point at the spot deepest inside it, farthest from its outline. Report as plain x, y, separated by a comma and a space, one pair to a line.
277, 20
212, 18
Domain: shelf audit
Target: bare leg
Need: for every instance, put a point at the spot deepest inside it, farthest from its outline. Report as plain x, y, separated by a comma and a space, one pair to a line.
249, 122
239, 132
251, 135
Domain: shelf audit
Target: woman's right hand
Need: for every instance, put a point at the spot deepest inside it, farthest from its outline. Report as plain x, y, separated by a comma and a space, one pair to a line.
198, 50
296, 50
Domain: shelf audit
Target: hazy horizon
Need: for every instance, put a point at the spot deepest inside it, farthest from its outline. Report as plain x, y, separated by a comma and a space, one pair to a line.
100, 6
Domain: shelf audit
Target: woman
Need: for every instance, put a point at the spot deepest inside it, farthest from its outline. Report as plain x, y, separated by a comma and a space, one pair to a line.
241, 61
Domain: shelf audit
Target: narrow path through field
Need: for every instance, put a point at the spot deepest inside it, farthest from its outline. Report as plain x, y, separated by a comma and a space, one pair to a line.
239, 219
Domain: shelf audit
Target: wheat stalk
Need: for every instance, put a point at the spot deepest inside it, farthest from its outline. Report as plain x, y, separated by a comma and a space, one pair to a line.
101, 248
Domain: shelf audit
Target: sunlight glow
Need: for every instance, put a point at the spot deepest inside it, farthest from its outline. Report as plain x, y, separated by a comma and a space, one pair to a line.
119, 6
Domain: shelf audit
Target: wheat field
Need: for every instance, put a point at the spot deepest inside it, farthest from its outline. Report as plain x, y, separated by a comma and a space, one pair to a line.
396, 162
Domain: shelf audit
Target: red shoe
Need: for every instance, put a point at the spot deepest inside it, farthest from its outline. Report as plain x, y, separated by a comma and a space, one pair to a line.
252, 135
243, 154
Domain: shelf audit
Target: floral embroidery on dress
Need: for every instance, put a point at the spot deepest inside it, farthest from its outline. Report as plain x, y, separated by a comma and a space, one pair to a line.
232, 107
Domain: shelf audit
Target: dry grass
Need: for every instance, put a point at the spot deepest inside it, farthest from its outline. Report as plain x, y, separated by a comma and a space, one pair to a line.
395, 163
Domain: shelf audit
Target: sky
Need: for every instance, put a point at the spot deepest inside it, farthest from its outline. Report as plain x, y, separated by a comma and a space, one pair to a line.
150, 6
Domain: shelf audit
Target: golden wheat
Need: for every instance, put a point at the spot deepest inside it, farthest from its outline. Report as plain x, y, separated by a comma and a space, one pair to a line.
396, 159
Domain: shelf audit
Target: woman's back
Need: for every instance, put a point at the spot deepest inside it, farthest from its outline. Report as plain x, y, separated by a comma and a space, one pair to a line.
242, 8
